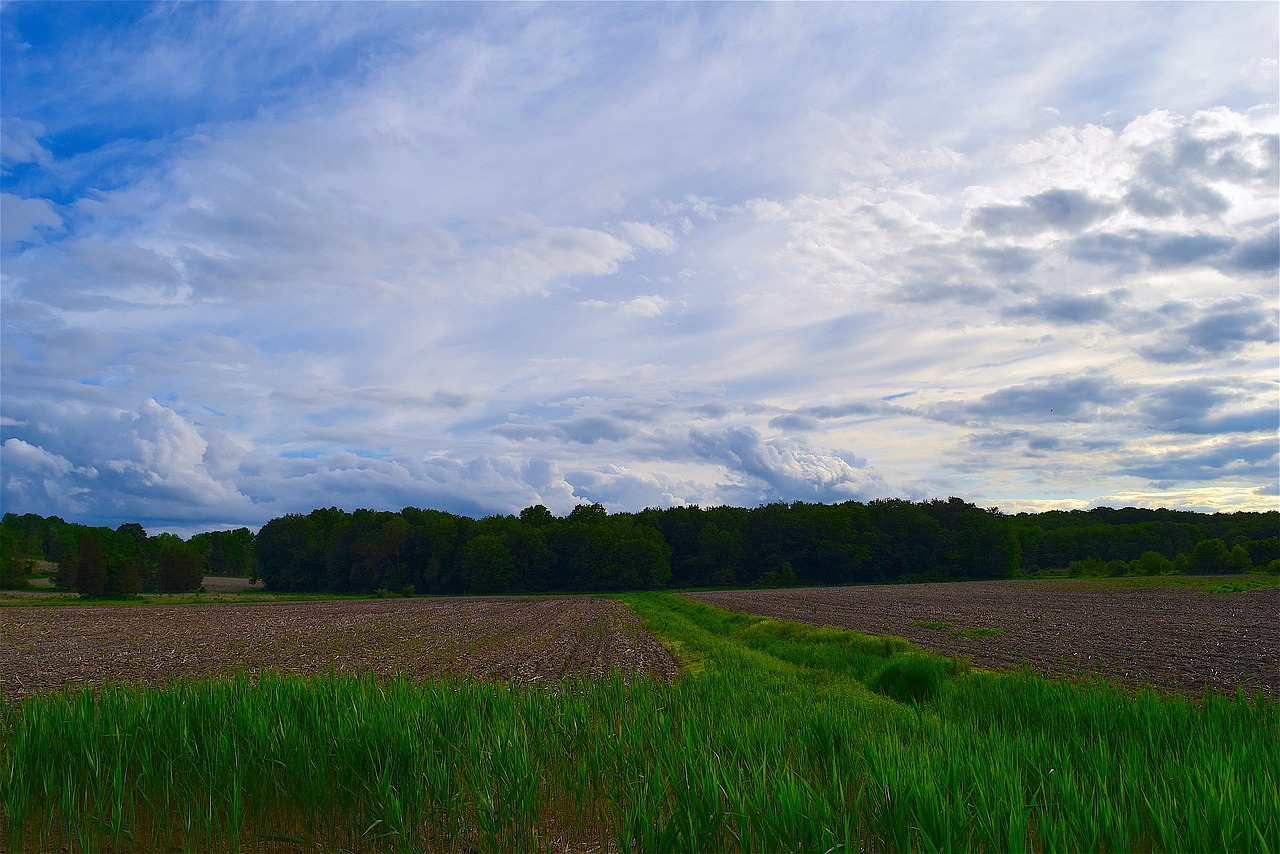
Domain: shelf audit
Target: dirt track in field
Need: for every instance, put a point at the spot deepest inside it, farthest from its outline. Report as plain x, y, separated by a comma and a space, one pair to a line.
528, 640
1172, 638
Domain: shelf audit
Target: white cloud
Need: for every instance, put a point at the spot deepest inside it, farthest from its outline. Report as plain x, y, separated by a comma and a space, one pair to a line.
23, 219
20, 143
517, 254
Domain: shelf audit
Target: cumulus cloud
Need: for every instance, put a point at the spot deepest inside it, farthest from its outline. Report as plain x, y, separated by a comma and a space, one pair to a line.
778, 468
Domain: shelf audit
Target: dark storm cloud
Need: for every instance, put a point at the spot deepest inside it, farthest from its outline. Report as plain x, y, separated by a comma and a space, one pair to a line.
1071, 211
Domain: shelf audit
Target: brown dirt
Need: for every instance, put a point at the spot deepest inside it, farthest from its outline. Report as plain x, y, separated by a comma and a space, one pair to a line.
528, 640
1172, 638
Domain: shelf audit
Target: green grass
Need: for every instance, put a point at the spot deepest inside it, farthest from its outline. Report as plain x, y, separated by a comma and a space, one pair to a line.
959, 633
1199, 583
976, 633
779, 737
932, 624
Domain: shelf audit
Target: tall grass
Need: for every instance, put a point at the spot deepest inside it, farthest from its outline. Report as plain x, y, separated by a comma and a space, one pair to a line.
782, 737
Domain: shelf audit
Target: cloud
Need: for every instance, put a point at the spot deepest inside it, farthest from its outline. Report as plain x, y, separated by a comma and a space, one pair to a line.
550, 257
24, 219
498, 255
1065, 210
622, 488
795, 423
20, 143
1133, 250
1054, 309
1210, 407
1050, 399
590, 430
1253, 460
786, 468
1223, 328
1255, 255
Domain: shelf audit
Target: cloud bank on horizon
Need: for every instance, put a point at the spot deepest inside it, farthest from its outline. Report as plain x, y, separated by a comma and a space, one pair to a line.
262, 258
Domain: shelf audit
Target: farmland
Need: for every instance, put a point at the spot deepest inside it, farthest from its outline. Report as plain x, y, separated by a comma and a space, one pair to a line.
498, 724
521, 639
1172, 637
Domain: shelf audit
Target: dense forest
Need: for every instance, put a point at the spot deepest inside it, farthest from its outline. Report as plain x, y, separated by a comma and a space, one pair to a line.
776, 545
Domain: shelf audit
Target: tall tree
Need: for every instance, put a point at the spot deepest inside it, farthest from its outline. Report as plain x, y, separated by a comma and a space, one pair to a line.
91, 567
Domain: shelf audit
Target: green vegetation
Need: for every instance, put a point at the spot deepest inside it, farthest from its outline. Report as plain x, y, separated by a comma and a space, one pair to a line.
976, 633
776, 545
1199, 583
98, 562
789, 737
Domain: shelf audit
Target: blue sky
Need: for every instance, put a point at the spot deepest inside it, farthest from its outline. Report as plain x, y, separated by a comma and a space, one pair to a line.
264, 257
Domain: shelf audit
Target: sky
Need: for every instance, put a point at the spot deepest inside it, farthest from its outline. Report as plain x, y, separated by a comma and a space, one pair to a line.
260, 258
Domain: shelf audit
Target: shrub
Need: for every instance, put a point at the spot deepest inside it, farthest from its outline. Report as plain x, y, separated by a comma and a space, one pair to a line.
1151, 563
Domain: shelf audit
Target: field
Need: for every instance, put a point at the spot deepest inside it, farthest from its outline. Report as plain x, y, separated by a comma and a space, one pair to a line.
522, 639
1171, 637
559, 724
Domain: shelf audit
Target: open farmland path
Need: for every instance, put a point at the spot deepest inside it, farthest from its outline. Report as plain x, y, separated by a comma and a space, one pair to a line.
525, 639
1169, 637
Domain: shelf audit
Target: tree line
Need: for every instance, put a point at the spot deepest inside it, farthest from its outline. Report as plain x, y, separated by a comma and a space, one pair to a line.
534, 551
122, 561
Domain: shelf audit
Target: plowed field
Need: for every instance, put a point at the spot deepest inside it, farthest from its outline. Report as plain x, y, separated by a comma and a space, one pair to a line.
526, 640
1172, 638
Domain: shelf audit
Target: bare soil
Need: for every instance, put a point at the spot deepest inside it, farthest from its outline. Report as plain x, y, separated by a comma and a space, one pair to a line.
1167, 637
527, 640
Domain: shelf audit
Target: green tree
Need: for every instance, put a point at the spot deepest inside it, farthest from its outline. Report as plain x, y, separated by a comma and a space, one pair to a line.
488, 565
13, 573
91, 568
1210, 557
538, 516
179, 568
1151, 563
1238, 559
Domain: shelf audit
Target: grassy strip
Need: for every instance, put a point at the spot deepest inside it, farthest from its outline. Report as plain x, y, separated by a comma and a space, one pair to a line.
781, 737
